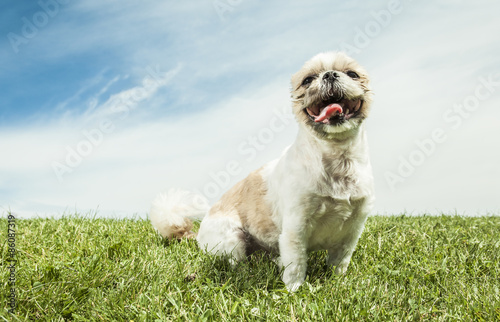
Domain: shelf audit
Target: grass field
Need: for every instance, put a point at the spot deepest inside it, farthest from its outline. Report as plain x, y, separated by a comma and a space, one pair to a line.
405, 268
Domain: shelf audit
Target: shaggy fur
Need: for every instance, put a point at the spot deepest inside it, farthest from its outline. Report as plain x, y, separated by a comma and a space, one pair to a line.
316, 196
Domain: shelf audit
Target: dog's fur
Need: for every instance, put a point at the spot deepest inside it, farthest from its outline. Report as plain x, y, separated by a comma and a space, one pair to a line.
316, 196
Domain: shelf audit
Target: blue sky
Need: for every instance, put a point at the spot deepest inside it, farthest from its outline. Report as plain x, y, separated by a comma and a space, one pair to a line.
106, 104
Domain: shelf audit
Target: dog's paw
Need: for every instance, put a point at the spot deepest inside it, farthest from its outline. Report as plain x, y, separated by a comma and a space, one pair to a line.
232, 261
294, 276
341, 268
293, 287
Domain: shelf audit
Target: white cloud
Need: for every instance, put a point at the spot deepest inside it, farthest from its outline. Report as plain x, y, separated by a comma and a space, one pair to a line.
137, 160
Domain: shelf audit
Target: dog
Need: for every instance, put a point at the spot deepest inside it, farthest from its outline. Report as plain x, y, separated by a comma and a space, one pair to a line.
316, 196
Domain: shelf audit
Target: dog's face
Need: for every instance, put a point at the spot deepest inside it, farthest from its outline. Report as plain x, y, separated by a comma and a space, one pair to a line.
331, 95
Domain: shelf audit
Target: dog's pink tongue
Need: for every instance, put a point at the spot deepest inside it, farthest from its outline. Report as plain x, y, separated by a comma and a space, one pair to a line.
328, 111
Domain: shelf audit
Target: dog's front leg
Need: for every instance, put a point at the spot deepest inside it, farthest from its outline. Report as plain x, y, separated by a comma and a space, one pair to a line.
339, 255
293, 252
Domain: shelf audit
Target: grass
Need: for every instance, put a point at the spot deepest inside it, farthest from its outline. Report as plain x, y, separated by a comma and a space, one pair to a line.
405, 269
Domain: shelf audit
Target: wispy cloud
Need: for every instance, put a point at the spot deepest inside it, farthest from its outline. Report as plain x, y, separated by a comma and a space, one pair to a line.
142, 158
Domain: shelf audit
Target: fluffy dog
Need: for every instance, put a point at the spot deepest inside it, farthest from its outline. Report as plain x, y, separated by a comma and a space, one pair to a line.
316, 196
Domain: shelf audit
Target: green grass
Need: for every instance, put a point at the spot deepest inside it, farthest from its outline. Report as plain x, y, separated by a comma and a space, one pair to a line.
405, 268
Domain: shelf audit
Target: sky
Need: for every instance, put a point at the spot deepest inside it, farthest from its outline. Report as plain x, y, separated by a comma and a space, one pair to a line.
105, 104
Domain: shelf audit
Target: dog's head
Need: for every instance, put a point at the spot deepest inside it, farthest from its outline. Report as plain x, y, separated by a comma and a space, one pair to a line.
331, 95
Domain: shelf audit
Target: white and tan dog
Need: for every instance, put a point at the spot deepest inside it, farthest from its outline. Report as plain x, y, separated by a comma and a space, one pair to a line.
316, 196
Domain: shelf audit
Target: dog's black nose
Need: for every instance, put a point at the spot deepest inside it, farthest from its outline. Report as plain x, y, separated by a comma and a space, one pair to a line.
331, 76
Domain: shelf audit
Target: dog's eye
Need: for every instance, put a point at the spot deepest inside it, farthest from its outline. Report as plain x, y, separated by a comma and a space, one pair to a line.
352, 74
308, 80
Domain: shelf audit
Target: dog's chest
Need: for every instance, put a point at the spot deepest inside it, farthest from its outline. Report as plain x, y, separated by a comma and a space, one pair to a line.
329, 220
339, 177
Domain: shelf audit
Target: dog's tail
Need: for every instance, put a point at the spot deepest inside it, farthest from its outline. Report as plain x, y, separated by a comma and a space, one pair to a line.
172, 213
